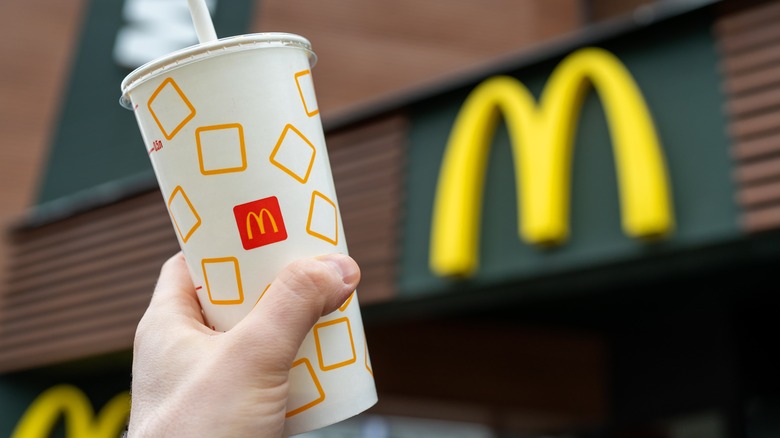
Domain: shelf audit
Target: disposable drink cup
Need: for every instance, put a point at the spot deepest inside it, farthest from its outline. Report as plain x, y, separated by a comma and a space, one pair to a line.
234, 135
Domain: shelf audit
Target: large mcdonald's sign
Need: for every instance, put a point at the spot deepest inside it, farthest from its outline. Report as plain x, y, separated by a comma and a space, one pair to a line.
542, 139
74, 407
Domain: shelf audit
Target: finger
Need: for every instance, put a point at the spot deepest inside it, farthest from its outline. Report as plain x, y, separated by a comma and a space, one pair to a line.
300, 294
174, 293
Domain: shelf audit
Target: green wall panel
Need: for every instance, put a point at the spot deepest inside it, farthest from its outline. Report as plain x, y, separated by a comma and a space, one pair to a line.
97, 141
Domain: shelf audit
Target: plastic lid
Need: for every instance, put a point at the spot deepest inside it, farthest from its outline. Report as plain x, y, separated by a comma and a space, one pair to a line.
198, 52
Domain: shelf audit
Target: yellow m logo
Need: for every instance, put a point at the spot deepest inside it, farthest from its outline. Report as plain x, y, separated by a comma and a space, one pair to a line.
80, 419
542, 140
259, 221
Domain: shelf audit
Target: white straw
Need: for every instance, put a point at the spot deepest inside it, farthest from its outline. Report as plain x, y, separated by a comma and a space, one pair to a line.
204, 27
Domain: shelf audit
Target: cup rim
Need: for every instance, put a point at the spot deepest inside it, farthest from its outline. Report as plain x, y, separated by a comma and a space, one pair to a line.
222, 46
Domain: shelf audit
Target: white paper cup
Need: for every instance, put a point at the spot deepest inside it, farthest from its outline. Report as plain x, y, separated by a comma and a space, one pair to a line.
234, 135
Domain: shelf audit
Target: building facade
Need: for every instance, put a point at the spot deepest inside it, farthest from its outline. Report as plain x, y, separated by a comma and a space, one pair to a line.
568, 225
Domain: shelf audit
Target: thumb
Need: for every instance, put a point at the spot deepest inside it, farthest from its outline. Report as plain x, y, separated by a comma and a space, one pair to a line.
302, 292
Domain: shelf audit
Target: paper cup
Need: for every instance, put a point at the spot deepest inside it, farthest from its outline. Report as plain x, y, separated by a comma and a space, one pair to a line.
234, 135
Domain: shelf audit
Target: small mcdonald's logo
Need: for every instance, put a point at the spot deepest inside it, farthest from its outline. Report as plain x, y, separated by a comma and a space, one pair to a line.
260, 222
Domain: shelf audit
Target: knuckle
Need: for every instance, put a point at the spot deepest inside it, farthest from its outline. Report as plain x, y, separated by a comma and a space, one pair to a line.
311, 274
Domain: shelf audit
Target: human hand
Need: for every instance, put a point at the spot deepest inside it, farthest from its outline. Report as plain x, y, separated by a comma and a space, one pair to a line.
190, 381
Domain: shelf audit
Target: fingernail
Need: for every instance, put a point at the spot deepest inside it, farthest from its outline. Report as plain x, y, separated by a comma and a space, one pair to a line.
344, 265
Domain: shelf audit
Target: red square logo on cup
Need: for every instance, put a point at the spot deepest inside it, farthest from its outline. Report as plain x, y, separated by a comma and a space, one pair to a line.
260, 222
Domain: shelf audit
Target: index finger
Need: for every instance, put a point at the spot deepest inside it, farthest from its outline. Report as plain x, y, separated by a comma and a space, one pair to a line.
174, 293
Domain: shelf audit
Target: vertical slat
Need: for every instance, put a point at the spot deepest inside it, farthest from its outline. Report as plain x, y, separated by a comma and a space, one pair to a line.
749, 44
368, 168
80, 285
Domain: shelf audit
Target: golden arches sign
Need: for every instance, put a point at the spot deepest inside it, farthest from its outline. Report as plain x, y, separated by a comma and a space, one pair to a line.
80, 419
542, 138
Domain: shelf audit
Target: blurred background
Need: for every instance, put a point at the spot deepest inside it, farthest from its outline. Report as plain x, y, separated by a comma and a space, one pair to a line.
602, 335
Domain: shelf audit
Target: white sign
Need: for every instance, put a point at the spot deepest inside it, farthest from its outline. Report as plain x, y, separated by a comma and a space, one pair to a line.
154, 28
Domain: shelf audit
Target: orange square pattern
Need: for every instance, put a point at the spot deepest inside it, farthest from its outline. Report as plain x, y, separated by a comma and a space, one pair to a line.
323, 221
305, 85
291, 153
334, 334
219, 283
177, 109
214, 144
298, 402
185, 217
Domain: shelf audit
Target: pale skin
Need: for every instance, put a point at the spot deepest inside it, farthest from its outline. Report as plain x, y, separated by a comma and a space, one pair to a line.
191, 381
